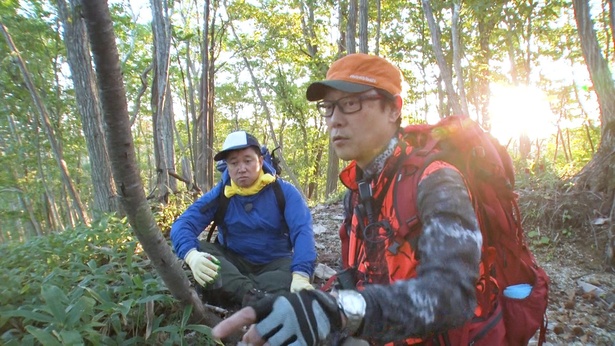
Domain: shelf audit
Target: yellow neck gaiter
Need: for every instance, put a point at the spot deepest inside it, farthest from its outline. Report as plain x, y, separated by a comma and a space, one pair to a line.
262, 181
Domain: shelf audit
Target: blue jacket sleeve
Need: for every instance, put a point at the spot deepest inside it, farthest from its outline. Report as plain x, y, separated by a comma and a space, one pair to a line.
299, 220
189, 225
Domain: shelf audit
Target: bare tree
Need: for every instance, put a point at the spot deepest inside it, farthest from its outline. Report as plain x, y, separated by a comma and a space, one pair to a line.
351, 27
457, 56
445, 69
378, 23
598, 174
162, 103
47, 126
122, 154
363, 33
204, 125
289, 172
88, 103
24, 201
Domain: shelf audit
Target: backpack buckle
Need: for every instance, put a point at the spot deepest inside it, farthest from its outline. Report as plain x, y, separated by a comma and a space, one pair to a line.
378, 232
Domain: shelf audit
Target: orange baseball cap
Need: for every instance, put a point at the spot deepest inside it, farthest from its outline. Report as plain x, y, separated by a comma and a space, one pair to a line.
357, 73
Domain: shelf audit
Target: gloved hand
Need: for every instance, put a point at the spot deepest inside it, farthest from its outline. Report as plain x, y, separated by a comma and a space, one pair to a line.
203, 265
300, 282
303, 318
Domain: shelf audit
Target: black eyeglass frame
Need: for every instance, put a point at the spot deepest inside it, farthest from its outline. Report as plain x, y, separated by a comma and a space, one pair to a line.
325, 113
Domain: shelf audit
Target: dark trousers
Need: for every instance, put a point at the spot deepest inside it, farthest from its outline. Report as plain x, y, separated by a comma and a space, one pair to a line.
238, 275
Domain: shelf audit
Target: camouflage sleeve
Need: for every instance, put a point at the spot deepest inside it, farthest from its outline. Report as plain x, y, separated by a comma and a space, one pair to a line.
442, 296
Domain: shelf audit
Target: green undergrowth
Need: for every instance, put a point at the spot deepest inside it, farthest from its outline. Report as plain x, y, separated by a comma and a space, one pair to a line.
88, 286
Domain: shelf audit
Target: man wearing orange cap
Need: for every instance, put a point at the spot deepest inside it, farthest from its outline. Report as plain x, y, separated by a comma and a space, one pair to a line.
434, 292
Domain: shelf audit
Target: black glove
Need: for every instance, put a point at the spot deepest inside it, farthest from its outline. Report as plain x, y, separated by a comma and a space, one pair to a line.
303, 318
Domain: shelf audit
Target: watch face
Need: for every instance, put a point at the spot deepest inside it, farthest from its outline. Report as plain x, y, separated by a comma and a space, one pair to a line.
352, 303
353, 306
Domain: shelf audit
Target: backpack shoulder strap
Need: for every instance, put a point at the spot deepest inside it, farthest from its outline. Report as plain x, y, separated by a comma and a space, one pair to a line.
279, 196
222, 202
346, 226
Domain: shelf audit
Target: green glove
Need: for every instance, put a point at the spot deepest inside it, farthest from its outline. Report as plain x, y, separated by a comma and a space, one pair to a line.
203, 265
300, 282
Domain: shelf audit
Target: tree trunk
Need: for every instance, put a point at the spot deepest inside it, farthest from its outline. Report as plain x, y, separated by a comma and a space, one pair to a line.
378, 22
445, 70
211, 69
289, 172
333, 169
86, 92
189, 165
44, 117
162, 103
204, 139
487, 20
510, 48
307, 28
612, 23
351, 27
122, 155
528, 40
363, 19
599, 174
17, 178
457, 57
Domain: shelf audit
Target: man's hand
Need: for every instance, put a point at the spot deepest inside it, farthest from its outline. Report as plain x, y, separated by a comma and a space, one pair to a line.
303, 318
300, 282
203, 265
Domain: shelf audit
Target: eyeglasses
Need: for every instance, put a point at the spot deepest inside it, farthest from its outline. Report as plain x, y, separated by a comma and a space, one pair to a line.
347, 105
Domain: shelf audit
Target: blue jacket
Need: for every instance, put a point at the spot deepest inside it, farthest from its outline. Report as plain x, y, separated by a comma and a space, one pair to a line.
257, 234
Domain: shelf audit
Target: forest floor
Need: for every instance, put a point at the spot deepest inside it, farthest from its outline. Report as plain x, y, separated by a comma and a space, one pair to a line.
581, 308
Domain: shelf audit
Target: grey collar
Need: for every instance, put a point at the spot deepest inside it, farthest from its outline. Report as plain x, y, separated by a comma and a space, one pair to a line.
377, 165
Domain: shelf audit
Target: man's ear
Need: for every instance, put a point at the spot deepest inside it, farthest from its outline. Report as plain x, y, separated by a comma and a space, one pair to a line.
399, 102
396, 112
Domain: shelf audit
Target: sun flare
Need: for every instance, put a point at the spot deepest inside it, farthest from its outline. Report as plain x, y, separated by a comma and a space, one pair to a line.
516, 110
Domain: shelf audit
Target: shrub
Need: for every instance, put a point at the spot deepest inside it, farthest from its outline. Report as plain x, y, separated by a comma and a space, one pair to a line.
87, 286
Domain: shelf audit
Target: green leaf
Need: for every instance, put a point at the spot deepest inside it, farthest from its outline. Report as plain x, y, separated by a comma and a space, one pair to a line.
129, 254
82, 306
152, 297
125, 306
71, 337
54, 299
186, 314
137, 281
200, 328
43, 336
31, 315
92, 264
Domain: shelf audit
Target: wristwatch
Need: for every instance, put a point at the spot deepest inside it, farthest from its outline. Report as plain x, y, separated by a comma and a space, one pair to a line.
353, 305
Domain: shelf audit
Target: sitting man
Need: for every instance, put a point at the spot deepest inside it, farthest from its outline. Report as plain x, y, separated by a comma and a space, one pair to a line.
259, 248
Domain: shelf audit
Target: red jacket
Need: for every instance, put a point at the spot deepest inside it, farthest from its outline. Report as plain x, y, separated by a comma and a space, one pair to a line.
429, 263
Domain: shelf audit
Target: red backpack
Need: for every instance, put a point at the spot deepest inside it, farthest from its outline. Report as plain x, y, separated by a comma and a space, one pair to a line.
488, 171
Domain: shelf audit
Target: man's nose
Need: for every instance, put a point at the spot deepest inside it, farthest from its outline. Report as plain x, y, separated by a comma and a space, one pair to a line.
337, 117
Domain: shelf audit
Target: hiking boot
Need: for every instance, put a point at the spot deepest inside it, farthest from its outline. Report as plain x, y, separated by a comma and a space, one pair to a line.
253, 296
